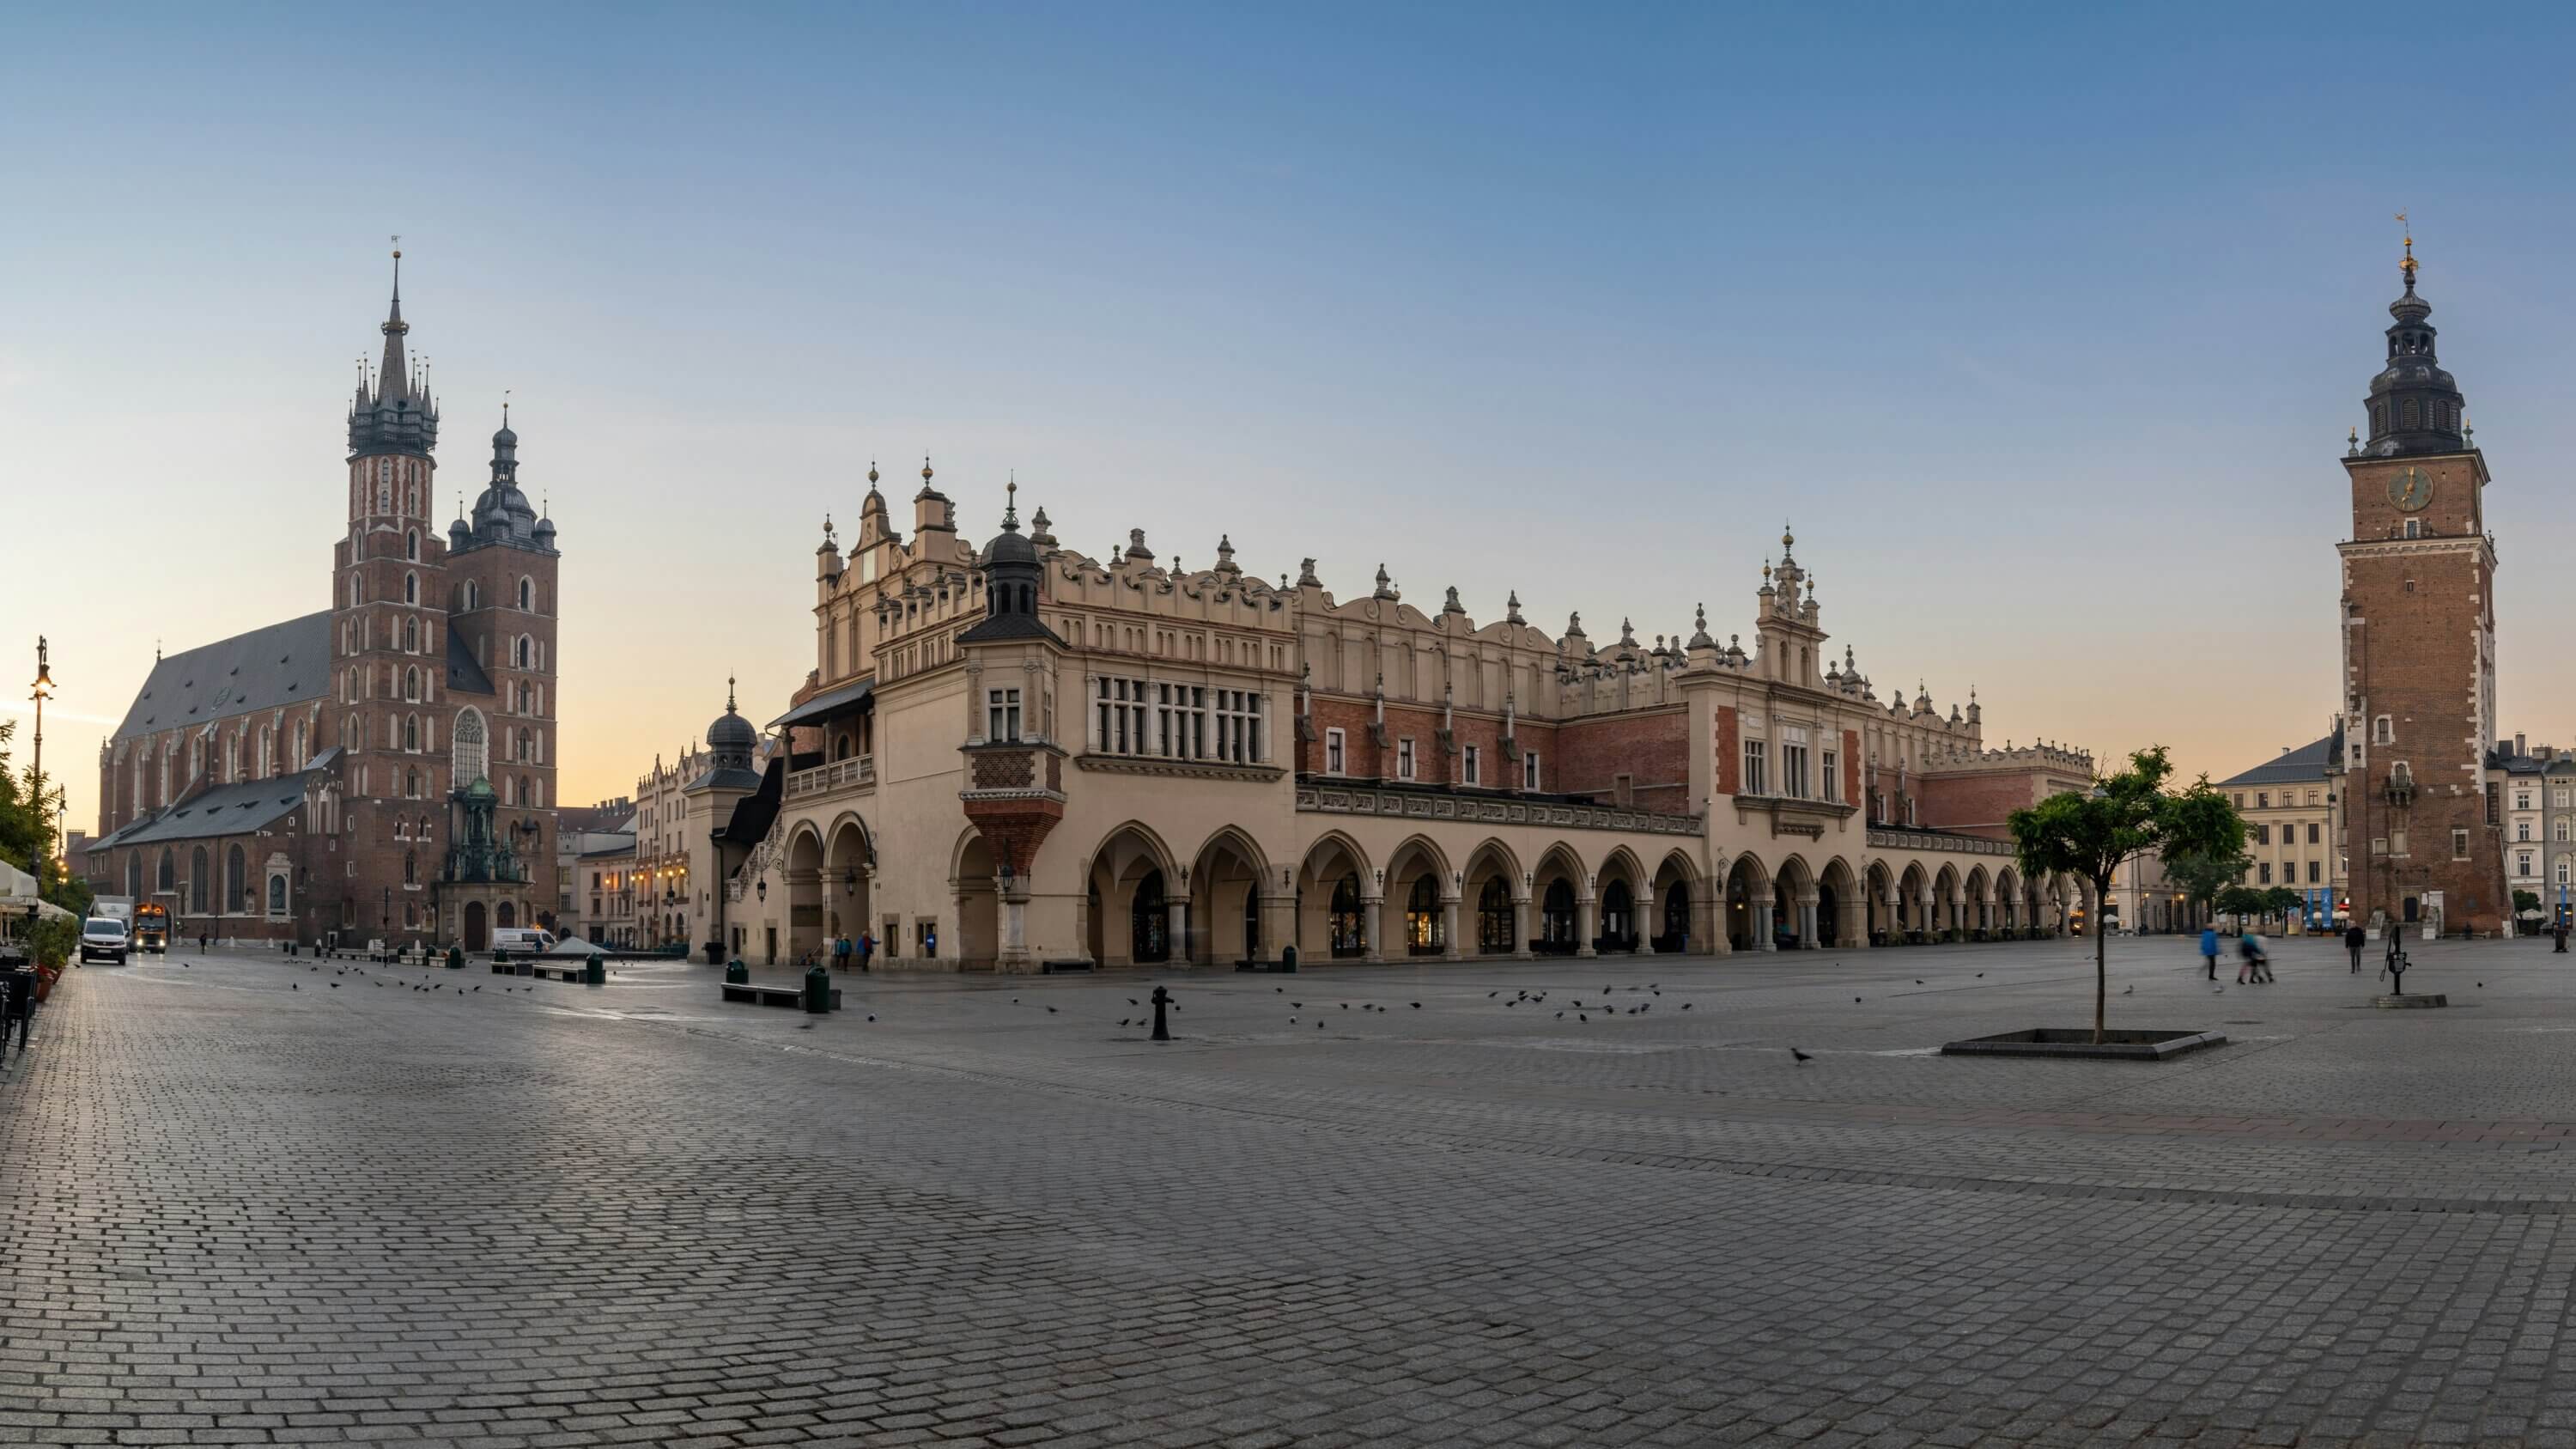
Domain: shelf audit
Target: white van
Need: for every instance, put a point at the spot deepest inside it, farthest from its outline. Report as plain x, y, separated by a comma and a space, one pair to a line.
103, 938
521, 941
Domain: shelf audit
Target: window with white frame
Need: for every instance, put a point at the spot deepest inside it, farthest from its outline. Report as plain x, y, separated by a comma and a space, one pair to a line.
2560, 871
1529, 770
1002, 715
1236, 714
2522, 863
1833, 781
1756, 769
1333, 756
1793, 762
2383, 730
1404, 758
1471, 766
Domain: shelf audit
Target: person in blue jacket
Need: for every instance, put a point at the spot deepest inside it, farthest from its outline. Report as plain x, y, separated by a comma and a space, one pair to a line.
2209, 949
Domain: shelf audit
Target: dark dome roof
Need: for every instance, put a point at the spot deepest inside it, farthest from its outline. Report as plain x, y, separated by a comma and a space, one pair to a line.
1011, 547
732, 730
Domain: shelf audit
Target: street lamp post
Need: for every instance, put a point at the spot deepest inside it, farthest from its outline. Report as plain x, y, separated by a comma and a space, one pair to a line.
43, 688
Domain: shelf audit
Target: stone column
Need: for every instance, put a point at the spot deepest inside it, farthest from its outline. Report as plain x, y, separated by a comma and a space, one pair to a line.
1708, 936
1852, 923
1373, 921
1449, 929
1806, 925
1521, 930
1278, 924
1081, 925
1763, 939
1179, 908
1585, 924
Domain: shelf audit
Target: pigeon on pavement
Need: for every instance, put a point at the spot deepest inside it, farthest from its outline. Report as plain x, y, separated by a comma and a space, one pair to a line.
1802, 1057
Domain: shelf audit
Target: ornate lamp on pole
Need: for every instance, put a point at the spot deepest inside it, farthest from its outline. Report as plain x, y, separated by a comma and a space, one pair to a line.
44, 688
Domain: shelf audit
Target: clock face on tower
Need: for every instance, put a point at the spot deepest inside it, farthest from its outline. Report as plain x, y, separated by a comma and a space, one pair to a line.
2410, 489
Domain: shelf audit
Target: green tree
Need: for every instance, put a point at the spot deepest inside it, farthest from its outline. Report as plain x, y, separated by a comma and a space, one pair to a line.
2283, 902
2089, 836
2241, 901
28, 807
2202, 875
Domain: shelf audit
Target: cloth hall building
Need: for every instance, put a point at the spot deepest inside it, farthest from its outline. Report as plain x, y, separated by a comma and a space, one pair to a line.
1017, 754
384, 767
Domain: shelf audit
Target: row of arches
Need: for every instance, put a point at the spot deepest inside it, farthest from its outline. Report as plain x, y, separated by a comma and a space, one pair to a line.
1142, 902
1798, 906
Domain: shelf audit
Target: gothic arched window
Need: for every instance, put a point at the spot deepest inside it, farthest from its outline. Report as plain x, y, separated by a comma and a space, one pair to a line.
197, 880
470, 757
168, 875
527, 596
411, 732
235, 901
411, 545
411, 588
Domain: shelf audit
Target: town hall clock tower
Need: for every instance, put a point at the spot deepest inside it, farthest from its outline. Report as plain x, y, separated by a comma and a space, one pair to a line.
2422, 830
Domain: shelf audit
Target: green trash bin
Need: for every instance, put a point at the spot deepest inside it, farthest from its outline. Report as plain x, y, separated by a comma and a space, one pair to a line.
818, 989
736, 973
594, 972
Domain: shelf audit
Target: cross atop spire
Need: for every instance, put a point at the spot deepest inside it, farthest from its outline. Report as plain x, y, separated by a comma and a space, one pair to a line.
729, 704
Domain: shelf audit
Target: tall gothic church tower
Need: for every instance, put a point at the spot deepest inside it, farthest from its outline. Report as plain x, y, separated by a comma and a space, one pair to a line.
388, 595
2422, 829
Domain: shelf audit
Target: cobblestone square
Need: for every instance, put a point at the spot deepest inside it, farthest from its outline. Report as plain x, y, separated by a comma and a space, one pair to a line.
259, 1201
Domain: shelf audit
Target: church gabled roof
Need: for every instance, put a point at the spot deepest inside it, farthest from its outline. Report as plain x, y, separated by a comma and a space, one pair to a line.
269, 667
464, 673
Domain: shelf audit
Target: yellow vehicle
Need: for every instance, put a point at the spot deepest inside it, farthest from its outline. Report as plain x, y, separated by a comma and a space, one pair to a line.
152, 928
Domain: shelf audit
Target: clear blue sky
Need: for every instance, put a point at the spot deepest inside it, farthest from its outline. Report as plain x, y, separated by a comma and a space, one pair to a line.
2044, 324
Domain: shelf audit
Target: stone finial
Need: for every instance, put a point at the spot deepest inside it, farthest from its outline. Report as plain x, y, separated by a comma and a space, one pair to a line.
1627, 634
1038, 530
1512, 609
1136, 548
1453, 606
1574, 625
1385, 585
1699, 629
1306, 575
1225, 563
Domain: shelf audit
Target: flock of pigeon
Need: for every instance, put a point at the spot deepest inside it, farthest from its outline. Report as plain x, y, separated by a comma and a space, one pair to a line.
1583, 1012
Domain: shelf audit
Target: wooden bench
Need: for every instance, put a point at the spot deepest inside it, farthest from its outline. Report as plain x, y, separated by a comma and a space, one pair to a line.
751, 994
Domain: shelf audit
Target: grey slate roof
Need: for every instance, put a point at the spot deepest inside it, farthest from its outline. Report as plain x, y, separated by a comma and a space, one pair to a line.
464, 675
224, 810
2307, 762
826, 702
278, 664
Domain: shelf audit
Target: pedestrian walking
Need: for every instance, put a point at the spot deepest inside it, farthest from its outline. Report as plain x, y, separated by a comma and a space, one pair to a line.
840, 953
867, 948
2353, 938
2254, 968
2558, 934
2209, 949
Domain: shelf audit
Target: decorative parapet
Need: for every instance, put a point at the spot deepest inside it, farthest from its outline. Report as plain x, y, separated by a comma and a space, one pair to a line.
1361, 800
857, 774
1108, 764
1897, 837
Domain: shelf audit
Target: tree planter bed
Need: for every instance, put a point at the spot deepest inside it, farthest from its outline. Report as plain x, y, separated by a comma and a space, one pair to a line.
2405, 1003
2125, 1046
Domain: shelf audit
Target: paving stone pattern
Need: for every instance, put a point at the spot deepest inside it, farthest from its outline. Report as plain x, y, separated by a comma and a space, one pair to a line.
249, 1201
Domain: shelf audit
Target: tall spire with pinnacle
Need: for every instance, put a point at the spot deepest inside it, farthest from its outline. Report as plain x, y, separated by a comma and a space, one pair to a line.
391, 378
2415, 406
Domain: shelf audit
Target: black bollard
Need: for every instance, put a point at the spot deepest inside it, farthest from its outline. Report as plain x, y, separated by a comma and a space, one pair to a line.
1162, 999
